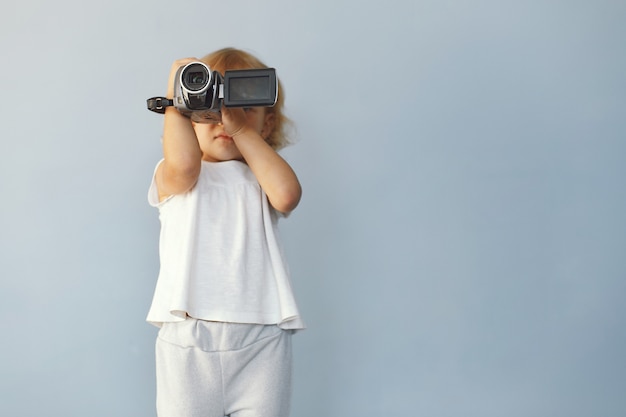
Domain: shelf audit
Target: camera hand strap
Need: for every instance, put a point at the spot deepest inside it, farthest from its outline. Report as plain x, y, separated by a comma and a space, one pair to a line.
158, 104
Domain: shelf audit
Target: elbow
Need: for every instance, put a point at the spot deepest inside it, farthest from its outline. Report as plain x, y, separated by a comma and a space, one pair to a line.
287, 200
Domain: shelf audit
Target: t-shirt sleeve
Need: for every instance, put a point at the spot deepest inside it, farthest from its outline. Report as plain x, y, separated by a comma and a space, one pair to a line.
153, 192
280, 214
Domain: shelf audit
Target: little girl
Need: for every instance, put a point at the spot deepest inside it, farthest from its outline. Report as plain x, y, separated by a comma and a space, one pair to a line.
223, 300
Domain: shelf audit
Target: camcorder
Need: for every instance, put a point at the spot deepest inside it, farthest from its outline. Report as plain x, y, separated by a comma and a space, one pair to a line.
200, 93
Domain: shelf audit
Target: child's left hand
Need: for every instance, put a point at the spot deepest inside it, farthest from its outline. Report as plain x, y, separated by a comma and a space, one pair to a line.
234, 120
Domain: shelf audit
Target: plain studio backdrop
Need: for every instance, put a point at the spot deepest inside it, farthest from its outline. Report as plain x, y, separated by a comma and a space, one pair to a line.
460, 249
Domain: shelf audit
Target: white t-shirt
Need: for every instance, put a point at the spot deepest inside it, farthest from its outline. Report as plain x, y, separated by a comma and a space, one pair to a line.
221, 258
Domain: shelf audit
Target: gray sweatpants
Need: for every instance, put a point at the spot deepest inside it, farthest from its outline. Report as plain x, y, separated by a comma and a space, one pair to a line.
214, 369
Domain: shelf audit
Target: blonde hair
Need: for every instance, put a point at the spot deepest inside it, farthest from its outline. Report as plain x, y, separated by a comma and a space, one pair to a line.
231, 58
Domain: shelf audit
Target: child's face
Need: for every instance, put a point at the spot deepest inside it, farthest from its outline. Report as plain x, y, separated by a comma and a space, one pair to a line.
217, 146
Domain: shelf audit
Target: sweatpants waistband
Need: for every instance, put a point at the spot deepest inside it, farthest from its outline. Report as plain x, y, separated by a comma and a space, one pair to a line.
211, 336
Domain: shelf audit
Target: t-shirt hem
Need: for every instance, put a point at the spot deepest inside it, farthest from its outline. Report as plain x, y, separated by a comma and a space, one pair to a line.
287, 323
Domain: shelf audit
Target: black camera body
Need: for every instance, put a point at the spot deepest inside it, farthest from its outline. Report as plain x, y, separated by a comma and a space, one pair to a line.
200, 93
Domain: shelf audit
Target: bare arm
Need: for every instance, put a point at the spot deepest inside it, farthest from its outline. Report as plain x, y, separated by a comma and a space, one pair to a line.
274, 174
181, 152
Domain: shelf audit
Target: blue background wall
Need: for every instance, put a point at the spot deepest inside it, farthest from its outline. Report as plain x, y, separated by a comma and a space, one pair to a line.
459, 250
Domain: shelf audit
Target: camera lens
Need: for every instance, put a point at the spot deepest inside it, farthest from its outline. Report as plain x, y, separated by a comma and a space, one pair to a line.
196, 76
